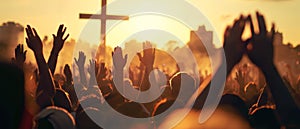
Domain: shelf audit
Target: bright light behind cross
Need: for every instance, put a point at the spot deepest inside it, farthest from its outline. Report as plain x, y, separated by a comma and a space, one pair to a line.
176, 18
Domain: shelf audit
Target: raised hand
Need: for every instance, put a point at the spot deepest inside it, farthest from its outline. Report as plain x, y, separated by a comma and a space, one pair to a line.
118, 60
46, 88
260, 48
80, 63
68, 74
58, 40
33, 40
147, 60
20, 55
261, 53
92, 72
148, 55
91, 67
67, 71
58, 43
234, 46
81, 60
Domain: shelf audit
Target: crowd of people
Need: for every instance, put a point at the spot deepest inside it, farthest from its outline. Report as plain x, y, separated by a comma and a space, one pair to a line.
63, 101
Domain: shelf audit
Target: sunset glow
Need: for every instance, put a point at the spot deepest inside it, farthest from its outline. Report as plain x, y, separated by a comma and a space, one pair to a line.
47, 15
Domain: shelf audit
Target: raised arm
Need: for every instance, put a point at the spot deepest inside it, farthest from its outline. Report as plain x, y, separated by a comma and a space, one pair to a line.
46, 89
261, 53
119, 63
147, 59
92, 72
20, 56
58, 43
234, 48
80, 63
68, 75
69, 86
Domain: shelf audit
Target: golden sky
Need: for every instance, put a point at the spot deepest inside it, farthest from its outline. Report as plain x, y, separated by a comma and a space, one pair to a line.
46, 15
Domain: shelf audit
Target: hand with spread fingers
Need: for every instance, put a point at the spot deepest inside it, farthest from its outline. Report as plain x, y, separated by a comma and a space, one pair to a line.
81, 60
92, 71
91, 68
46, 88
234, 46
118, 60
260, 47
58, 43
58, 40
20, 56
260, 51
33, 40
80, 63
148, 56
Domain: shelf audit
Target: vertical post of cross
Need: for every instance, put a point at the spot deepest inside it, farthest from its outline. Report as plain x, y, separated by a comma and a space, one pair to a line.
103, 23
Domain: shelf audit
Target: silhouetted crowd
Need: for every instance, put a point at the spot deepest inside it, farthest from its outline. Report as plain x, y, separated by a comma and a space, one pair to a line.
68, 100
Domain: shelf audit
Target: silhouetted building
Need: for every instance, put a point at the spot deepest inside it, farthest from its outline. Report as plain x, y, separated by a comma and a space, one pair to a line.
199, 38
287, 57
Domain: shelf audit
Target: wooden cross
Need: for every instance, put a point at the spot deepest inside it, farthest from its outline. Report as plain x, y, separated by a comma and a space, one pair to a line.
103, 17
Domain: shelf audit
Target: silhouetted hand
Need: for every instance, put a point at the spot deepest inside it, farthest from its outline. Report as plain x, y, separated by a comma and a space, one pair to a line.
92, 71
33, 40
261, 52
118, 60
148, 61
20, 55
148, 55
46, 88
91, 68
260, 49
81, 60
58, 43
58, 40
80, 63
68, 74
234, 46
